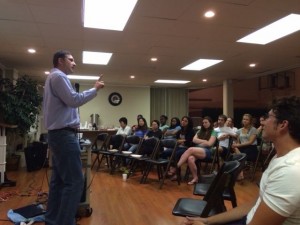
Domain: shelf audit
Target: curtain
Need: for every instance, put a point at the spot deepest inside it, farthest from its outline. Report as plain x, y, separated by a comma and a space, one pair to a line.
172, 102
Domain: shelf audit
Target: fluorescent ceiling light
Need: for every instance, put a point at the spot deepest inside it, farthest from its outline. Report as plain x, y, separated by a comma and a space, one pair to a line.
201, 64
98, 58
82, 77
107, 14
172, 81
274, 31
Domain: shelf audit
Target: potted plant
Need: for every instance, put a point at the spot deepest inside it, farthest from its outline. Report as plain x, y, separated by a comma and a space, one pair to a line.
20, 103
125, 172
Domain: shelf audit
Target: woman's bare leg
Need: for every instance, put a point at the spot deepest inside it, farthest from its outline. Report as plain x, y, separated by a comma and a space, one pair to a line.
199, 153
193, 168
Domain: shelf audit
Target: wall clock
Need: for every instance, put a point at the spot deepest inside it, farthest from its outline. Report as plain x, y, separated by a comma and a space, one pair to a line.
115, 99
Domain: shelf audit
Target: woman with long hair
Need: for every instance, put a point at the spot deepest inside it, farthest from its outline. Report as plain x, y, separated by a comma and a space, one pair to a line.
184, 139
173, 129
204, 140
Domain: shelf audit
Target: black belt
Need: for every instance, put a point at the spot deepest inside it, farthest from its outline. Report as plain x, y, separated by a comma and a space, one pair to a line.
75, 130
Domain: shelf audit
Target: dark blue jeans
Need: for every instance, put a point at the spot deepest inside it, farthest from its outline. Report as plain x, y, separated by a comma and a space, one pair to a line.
66, 184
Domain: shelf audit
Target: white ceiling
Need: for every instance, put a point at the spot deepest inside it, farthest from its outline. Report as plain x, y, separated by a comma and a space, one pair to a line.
174, 31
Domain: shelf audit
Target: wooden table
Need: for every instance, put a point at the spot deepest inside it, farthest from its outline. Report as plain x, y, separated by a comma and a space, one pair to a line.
92, 134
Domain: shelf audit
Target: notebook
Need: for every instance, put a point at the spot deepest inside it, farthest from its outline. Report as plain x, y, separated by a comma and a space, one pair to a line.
30, 211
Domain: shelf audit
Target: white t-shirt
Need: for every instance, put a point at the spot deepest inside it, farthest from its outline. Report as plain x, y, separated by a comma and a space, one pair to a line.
280, 189
224, 130
126, 131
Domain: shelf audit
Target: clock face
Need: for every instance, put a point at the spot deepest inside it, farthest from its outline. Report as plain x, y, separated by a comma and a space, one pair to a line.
115, 99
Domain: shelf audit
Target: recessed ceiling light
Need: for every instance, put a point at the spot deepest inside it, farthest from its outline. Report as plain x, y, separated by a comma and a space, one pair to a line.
172, 81
132, 77
252, 64
107, 14
47, 72
274, 31
82, 77
204, 80
201, 64
98, 58
209, 14
31, 50
153, 59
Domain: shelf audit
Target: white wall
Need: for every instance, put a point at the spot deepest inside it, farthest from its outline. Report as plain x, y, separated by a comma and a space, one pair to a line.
135, 100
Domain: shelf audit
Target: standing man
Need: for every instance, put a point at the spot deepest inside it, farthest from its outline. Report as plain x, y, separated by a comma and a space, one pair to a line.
61, 119
278, 202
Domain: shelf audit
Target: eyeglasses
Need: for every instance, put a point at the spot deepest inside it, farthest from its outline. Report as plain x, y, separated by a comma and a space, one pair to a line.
270, 115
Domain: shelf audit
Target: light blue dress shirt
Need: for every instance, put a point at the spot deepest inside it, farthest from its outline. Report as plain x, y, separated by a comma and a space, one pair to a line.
61, 101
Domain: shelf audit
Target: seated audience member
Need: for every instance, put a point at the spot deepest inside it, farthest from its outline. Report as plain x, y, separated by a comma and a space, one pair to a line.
136, 125
172, 131
163, 123
141, 131
184, 141
278, 201
246, 140
230, 123
203, 140
124, 128
223, 134
261, 143
153, 132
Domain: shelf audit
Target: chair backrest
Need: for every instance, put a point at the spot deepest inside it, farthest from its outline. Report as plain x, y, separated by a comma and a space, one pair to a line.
101, 141
169, 144
134, 140
227, 167
221, 182
149, 146
117, 141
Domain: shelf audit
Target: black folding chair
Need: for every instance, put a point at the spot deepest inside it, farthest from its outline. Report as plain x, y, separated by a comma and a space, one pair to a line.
99, 147
138, 159
229, 194
162, 165
212, 202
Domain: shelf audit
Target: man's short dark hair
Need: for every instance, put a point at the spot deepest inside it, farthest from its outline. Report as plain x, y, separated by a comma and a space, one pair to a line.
288, 108
123, 119
223, 117
165, 117
60, 54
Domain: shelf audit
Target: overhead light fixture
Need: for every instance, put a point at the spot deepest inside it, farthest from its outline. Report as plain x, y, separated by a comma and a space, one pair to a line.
47, 72
274, 31
82, 77
31, 50
132, 76
172, 81
153, 59
201, 64
204, 80
98, 58
209, 14
107, 14
252, 64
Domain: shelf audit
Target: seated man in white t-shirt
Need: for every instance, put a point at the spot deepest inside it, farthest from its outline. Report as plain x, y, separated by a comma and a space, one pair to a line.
278, 202
223, 134
124, 128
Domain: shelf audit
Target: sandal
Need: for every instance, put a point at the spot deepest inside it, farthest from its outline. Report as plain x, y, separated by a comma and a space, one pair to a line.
192, 182
170, 173
174, 178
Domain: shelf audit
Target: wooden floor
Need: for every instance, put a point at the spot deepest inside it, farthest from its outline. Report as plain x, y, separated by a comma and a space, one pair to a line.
114, 201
